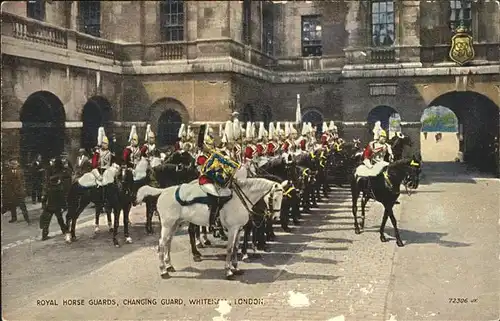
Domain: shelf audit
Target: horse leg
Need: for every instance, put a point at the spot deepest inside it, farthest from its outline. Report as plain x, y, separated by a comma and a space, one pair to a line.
197, 233
223, 235
364, 200
115, 228
149, 217
206, 241
108, 215
399, 242
355, 195
234, 261
244, 246
98, 209
126, 222
162, 243
382, 226
168, 264
192, 240
233, 233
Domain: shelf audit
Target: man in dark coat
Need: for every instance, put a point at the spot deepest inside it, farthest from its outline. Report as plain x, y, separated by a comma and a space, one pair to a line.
13, 191
54, 196
36, 179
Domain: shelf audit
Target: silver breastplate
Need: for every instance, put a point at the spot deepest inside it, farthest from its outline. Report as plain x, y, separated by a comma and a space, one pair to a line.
104, 158
135, 155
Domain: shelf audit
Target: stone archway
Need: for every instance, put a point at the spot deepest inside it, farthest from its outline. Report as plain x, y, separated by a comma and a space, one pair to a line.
43, 126
439, 121
314, 117
96, 113
166, 117
389, 118
478, 125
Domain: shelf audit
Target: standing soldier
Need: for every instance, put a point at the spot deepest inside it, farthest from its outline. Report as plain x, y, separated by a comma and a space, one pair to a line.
13, 191
132, 153
54, 198
36, 179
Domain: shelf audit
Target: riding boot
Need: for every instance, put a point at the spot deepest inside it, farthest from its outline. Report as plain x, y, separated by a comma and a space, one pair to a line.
214, 207
45, 234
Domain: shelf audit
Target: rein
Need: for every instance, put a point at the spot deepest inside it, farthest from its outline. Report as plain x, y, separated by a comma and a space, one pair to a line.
246, 201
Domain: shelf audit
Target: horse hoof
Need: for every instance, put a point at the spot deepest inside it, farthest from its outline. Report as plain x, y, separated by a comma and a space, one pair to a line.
238, 271
224, 238
358, 231
229, 275
200, 245
128, 240
245, 258
383, 239
165, 275
208, 243
110, 230
68, 239
197, 258
115, 243
400, 243
170, 269
96, 229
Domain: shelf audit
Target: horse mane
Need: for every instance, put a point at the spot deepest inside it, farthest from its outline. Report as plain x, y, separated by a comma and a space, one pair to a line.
271, 177
256, 183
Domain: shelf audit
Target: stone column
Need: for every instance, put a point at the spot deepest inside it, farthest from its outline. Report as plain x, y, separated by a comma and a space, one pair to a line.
408, 39
73, 15
356, 22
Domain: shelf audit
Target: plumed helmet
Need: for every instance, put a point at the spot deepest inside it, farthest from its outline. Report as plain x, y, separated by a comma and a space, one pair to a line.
271, 130
182, 131
228, 132
236, 129
292, 129
221, 130
332, 127
148, 130
100, 135
305, 129
133, 134
105, 140
287, 129
248, 131
254, 131
189, 132
382, 133
324, 129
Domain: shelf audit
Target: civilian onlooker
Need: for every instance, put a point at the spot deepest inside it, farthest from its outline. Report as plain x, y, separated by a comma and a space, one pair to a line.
13, 191
36, 179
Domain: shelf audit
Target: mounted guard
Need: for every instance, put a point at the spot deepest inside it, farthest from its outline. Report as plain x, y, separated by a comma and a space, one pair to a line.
261, 141
182, 134
302, 140
103, 158
237, 134
132, 153
149, 149
377, 129
250, 149
215, 174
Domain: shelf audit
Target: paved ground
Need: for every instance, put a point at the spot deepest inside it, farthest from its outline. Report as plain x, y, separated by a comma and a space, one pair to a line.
321, 271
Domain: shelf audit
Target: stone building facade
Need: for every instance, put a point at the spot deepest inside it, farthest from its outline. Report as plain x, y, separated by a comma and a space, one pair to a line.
69, 66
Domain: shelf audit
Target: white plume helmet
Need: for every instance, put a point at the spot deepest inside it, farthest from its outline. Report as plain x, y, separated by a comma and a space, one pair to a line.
236, 129
208, 131
100, 135
305, 129
292, 129
189, 132
148, 130
254, 130
287, 128
248, 131
324, 129
228, 132
260, 135
271, 130
182, 131
133, 131
221, 130
242, 131
332, 126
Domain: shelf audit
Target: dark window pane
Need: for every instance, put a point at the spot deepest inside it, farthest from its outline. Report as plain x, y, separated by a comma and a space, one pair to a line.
382, 23
90, 17
311, 36
172, 16
36, 9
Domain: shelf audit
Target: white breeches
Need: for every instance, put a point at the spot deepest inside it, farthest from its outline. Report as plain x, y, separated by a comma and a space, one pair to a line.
215, 190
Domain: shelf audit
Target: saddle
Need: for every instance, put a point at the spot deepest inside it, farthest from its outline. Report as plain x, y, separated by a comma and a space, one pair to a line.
378, 170
190, 194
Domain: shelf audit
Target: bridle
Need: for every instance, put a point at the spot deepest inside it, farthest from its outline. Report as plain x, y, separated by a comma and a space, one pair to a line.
249, 205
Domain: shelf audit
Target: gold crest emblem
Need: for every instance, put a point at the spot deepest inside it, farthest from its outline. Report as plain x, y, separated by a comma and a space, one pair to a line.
462, 50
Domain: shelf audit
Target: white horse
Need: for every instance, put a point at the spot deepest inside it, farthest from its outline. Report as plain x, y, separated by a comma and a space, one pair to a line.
233, 215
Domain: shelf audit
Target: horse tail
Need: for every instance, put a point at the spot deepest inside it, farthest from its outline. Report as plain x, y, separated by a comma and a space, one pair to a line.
146, 191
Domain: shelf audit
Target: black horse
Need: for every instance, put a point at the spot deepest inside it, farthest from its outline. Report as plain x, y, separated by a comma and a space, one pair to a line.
79, 197
398, 144
385, 189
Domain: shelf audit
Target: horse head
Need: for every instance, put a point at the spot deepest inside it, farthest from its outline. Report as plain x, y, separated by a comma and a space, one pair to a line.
407, 171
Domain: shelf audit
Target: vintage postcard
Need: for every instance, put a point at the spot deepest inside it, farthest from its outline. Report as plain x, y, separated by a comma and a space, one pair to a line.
174, 160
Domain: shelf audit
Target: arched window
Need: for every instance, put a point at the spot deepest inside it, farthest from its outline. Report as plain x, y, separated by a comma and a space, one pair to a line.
315, 118
172, 20
168, 127
382, 15
460, 14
